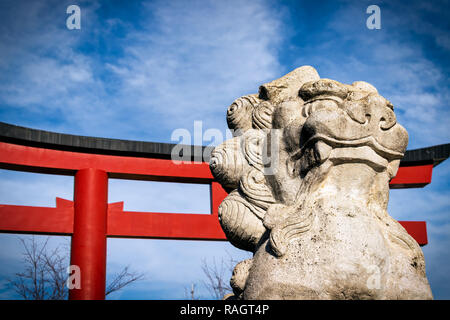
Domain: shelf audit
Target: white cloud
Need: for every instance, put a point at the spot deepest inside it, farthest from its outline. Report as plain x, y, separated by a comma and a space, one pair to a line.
193, 59
181, 62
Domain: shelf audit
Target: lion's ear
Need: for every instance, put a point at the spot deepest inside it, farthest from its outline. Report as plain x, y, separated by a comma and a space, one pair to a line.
287, 87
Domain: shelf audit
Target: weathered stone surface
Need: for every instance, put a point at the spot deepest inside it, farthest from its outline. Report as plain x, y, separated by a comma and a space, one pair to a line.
308, 173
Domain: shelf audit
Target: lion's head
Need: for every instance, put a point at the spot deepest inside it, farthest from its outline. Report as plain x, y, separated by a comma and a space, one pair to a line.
295, 125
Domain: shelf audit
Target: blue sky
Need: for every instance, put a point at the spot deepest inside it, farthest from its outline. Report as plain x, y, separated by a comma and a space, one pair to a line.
140, 70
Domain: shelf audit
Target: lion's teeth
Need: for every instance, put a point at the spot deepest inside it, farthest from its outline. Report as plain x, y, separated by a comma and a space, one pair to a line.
321, 151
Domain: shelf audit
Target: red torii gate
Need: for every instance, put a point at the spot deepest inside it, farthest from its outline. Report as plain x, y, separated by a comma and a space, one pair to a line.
89, 219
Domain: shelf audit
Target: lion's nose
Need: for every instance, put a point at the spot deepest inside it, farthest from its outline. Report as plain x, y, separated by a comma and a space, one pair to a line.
374, 112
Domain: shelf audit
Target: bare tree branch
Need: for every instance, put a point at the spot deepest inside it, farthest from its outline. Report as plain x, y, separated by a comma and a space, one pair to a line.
35, 282
216, 282
218, 275
122, 279
45, 273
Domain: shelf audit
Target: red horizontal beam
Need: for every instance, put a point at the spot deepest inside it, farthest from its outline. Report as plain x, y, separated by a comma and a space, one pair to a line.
119, 166
417, 230
164, 226
412, 177
25, 219
43, 220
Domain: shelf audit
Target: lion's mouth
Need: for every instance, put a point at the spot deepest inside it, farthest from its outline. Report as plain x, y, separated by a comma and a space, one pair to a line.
348, 127
320, 148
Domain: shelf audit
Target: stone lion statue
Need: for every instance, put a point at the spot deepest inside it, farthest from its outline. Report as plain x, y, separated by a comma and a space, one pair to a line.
308, 171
